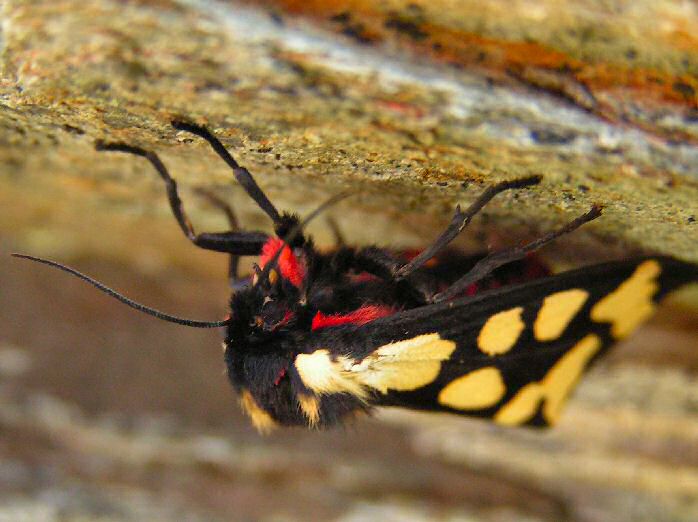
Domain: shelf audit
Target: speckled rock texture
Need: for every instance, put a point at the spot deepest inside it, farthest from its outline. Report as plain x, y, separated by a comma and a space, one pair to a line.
414, 107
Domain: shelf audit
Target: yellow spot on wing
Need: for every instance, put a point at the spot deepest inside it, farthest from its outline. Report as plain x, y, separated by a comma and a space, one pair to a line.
323, 375
260, 418
565, 374
554, 388
478, 389
522, 407
556, 313
404, 365
631, 303
501, 331
310, 406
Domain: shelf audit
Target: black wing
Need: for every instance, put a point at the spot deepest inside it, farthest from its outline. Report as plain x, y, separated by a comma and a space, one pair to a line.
512, 354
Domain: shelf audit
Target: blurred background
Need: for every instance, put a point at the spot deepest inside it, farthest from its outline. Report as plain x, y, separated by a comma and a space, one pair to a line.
107, 414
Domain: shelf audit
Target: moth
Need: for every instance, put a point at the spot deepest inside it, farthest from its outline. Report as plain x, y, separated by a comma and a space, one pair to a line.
314, 338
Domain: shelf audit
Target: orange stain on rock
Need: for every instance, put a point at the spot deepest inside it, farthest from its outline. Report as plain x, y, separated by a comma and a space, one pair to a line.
510, 61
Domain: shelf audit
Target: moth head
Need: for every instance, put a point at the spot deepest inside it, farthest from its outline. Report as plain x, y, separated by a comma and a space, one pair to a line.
273, 301
263, 310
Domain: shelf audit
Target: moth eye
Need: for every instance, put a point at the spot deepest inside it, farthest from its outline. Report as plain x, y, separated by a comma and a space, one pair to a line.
273, 276
258, 322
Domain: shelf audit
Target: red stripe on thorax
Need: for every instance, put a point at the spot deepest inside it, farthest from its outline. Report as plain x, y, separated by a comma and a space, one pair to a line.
362, 315
288, 264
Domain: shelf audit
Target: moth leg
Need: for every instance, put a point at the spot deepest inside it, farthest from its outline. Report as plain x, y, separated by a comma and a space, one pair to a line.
486, 265
376, 261
382, 264
232, 242
336, 232
460, 220
235, 281
242, 175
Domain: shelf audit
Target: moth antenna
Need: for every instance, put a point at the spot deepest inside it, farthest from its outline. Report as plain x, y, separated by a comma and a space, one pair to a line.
242, 175
298, 228
319, 210
133, 304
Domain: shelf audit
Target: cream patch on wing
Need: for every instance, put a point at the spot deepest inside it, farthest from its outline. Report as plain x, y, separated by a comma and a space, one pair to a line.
399, 366
404, 365
501, 331
557, 311
476, 390
553, 388
325, 375
631, 303
260, 418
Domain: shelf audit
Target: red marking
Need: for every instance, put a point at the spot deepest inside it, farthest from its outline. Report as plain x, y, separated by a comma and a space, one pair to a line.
431, 263
362, 315
402, 108
363, 277
289, 265
411, 253
281, 375
287, 317
535, 268
472, 289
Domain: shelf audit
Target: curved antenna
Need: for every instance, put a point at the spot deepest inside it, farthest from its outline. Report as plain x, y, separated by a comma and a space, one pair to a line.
291, 235
133, 304
242, 175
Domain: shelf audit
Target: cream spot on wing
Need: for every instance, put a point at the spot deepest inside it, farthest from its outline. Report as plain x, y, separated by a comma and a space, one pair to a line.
320, 373
310, 406
553, 389
260, 418
557, 311
501, 331
631, 303
476, 390
400, 366
404, 365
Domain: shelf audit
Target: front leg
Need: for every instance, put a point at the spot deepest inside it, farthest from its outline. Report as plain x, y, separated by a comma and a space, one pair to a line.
231, 242
236, 282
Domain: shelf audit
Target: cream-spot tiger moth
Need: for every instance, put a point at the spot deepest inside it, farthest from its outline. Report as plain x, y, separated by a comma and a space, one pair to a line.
315, 337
